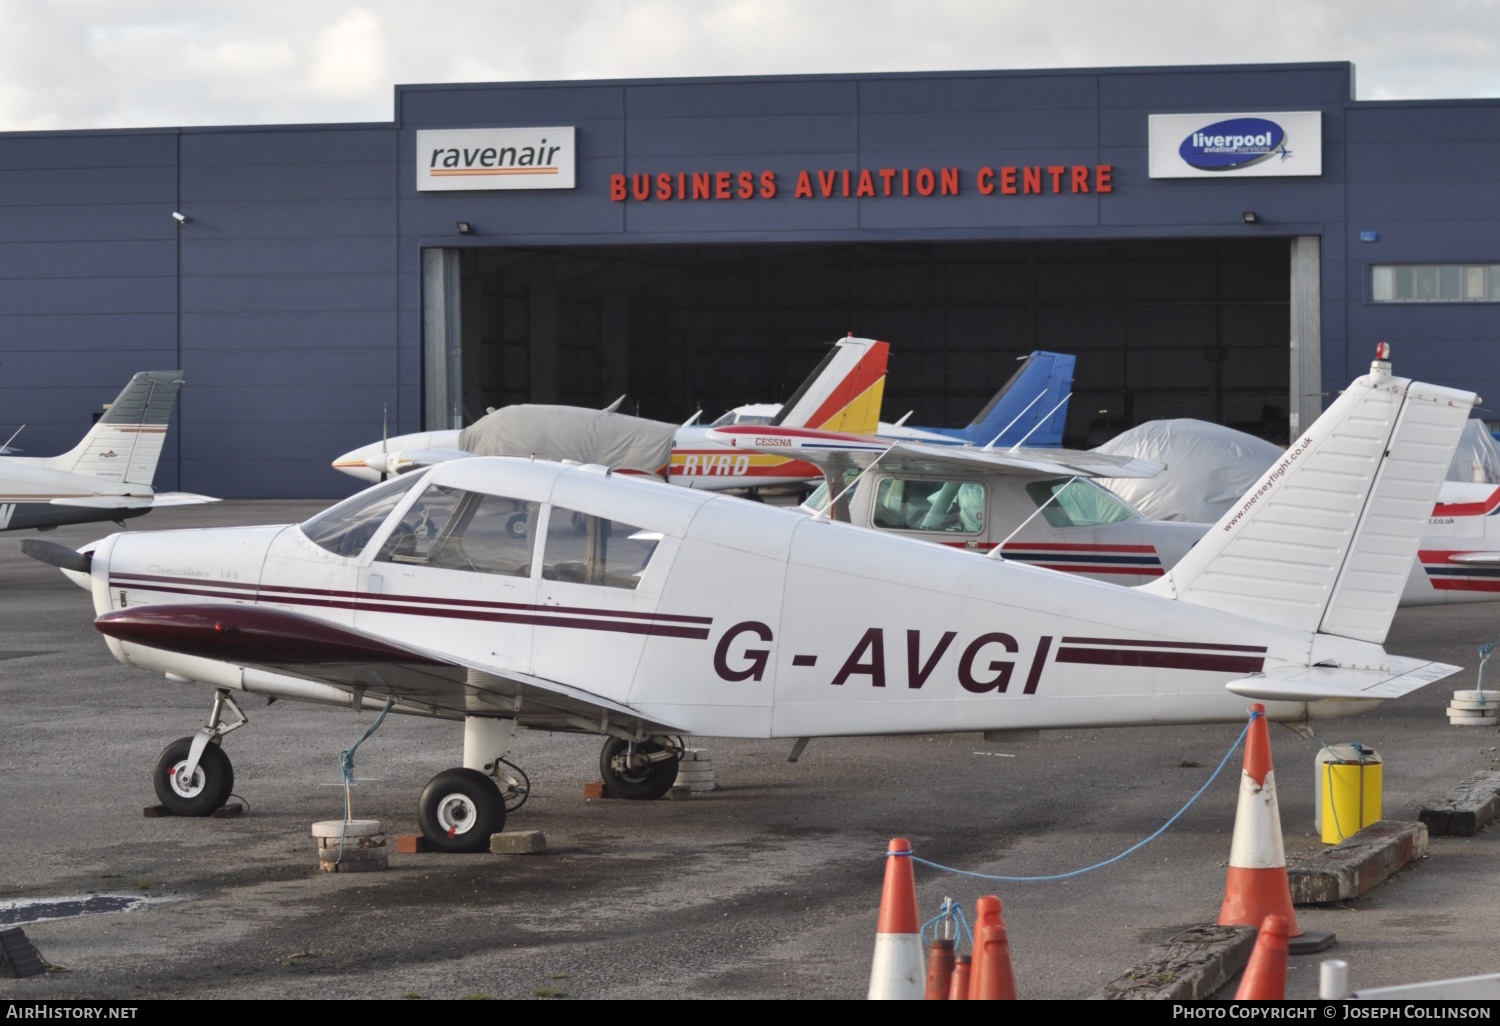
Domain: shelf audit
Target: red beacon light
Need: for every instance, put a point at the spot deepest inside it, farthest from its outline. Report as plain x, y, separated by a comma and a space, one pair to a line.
1382, 350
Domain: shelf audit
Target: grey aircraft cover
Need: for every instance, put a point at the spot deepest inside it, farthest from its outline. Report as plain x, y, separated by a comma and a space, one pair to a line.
572, 433
1209, 466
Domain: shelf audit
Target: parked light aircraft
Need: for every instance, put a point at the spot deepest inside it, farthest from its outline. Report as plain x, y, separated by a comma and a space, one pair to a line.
1046, 510
1031, 407
842, 393
107, 476
608, 613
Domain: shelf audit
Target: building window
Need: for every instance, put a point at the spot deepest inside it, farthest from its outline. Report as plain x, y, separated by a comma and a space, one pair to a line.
1435, 283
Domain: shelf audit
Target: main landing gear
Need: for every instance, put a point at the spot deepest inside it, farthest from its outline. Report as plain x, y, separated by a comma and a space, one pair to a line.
640, 770
193, 776
460, 808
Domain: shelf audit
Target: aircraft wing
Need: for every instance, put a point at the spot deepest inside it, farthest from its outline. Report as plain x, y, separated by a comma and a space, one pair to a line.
105, 502
835, 453
1316, 683
301, 646
403, 460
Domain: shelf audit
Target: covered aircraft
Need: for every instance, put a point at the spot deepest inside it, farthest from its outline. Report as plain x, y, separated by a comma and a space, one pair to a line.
511, 592
107, 476
842, 393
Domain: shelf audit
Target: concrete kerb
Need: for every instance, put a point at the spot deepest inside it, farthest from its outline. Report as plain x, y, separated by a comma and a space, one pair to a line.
1357, 864
1465, 810
1191, 966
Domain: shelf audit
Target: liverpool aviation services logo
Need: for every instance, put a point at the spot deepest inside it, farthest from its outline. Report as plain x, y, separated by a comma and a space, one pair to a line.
1236, 143
1249, 145
495, 158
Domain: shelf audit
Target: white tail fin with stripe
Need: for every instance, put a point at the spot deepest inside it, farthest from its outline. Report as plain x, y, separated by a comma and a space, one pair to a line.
1325, 540
844, 392
127, 442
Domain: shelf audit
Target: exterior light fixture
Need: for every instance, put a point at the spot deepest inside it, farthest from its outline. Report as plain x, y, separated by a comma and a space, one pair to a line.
1250, 217
465, 228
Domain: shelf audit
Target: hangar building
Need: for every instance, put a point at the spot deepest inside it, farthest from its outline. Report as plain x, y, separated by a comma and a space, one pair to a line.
1220, 242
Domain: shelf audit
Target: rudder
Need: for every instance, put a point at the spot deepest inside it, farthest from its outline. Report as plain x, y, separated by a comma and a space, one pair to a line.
128, 439
844, 392
1323, 542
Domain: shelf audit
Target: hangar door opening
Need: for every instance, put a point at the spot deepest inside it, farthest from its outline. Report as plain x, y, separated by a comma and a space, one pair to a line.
1161, 328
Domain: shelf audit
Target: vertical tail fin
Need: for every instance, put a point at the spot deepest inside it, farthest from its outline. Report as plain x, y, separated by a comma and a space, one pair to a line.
1324, 541
127, 441
843, 392
1044, 374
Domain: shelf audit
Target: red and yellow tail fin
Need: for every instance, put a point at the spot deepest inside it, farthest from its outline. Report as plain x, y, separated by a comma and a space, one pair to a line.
844, 392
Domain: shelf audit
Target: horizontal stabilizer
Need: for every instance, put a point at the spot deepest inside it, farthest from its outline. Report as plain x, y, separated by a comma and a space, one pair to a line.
105, 502
1316, 683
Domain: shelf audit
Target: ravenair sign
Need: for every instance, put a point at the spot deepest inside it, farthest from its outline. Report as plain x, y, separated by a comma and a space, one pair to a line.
459, 159
1259, 145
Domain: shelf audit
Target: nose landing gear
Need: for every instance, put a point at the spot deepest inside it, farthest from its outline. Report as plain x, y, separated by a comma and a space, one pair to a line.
193, 775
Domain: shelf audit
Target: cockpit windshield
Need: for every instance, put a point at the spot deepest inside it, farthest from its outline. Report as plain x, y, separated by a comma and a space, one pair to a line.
735, 417
1080, 503
347, 528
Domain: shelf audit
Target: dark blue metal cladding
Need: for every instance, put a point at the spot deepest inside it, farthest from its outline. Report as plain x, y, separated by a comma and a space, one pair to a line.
87, 278
289, 297
294, 300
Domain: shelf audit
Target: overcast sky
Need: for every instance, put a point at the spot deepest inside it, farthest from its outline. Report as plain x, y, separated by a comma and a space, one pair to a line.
124, 63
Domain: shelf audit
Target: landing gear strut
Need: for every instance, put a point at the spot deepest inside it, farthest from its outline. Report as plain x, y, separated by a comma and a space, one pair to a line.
193, 776
640, 770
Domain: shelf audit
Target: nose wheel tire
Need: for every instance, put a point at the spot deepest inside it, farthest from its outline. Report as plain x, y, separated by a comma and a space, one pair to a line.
627, 774
459, 809
197, 794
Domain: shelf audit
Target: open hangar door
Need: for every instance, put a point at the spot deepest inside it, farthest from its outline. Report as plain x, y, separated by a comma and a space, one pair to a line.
1161, 328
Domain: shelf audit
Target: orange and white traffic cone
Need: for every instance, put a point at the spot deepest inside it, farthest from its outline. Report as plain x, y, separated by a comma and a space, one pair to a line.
1265, 975
898, 973
939, 969
994, 980
958, 990
986, 913
1257, 886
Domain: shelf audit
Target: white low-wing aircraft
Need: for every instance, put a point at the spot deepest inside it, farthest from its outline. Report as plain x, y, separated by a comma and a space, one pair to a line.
843, 393
507, 592
107, 476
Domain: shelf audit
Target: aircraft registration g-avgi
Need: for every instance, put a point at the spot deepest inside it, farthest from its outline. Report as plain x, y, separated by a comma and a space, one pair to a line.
842, 394
105, 477
608, 613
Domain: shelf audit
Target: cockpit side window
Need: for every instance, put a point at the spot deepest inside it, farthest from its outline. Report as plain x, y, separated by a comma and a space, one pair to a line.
947, 507
347, 528
1080, 503
584, 549
453, 529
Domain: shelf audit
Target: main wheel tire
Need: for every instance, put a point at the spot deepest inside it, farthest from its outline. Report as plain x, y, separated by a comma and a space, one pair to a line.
459, 809
205, 791
641, 784
227, 788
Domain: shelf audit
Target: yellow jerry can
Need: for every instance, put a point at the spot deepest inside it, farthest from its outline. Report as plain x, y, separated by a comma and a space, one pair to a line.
1347, 792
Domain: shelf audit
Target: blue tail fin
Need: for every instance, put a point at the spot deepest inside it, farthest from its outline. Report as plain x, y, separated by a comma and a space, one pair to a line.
1041, 382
